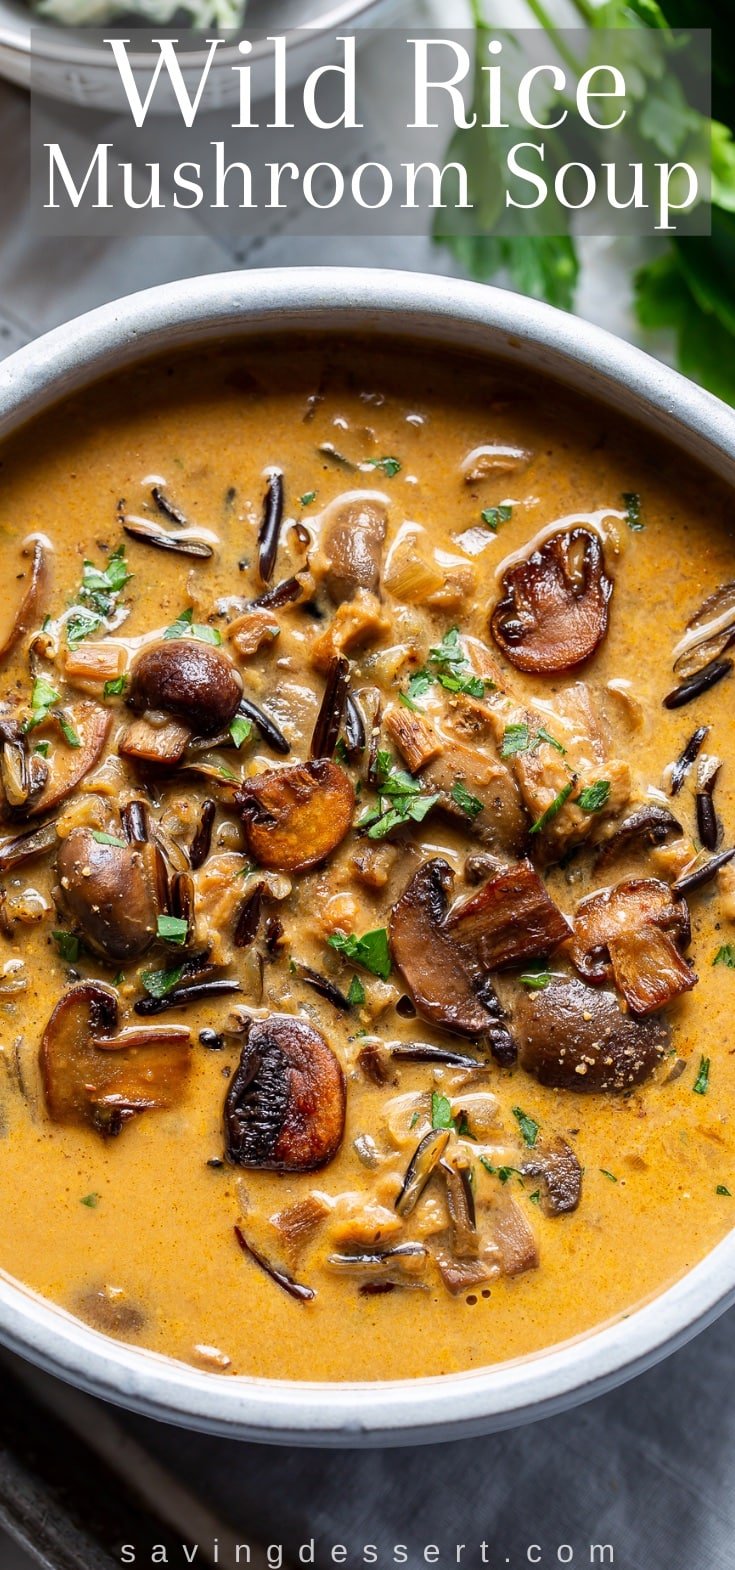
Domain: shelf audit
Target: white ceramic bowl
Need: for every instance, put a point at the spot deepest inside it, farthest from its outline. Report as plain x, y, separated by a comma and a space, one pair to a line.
69, 66
402, 306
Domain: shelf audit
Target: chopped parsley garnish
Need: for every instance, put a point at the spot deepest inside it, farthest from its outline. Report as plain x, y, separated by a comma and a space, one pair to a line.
494, 516
371, 950
632, 505
90, 1200
609, 1175
536, 980
504, 1173
463, 799
441, 1111
307, 498
108, 839
389, 466
158, 983
43, 747
529, 1129
535, 1197
417, 687
553, 808
594, 797
519, 738
720, 1189
241, 729
186, 627
450, 666
400, 800
356, 994
99, 593
701, 1083
67, 945
725, 956
68, 732
115, 687
173, 929
43, 698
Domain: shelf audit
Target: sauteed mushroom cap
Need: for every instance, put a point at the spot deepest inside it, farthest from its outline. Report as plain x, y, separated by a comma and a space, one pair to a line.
575, 1037
285, 1108
112, 891
194, 681
91, 1076
432, 964
352, 543
294, 817
69, 765
633, 934
554, 607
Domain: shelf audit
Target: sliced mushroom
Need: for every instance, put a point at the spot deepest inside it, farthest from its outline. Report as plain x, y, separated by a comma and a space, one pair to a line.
633, 934
23, 847
554, 609
285, 1108
433, 965
575, 1037
163, 744
514, 1238
460, 772
294, 817
69, 765
112, 892
91, 1076
352, 546
561, 1176
510, 920
21, 618
195, 682
648, 825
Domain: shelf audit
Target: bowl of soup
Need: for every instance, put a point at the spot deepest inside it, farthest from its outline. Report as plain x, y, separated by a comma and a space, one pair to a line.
367, 883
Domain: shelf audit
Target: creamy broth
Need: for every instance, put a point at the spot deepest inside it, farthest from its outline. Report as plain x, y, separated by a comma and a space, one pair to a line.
156, 1224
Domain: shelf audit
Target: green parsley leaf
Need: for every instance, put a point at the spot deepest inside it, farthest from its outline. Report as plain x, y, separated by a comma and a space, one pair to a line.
450, 666
518, 738
91, 1201
720, 1189
610, 1175
441, 1111
241, 729
529, 1129
400, 800
632, 505
551, 741
594, 797
43, 698
68, 732
535, 1197
101, 586
115, 687
463, 799
158, 983
503, 1173
80, 625
701, 1083
43, 747
67, 945
725, 956
389, 466
307, 498
417, 687
173, 929
371, 950
186, 627
494, 516
356, 994
108, 839
536, 980
552, 809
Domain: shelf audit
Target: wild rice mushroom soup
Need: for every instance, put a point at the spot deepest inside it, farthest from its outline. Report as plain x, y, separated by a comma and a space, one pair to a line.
367, 911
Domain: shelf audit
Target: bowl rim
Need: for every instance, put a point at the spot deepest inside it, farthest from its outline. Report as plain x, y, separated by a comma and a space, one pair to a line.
498, 323
54, 43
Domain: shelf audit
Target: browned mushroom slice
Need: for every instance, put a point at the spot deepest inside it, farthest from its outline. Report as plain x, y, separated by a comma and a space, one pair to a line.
433, 966
561, 1176
633, 934
144, 742
111, 891
69, 765
285, 1108
461, 1206
91, 1076
514, 1238
481, 793
195, 682
20, 619
648, 825
295, 817
575, 1037
510, 920
352, 545
554, 608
